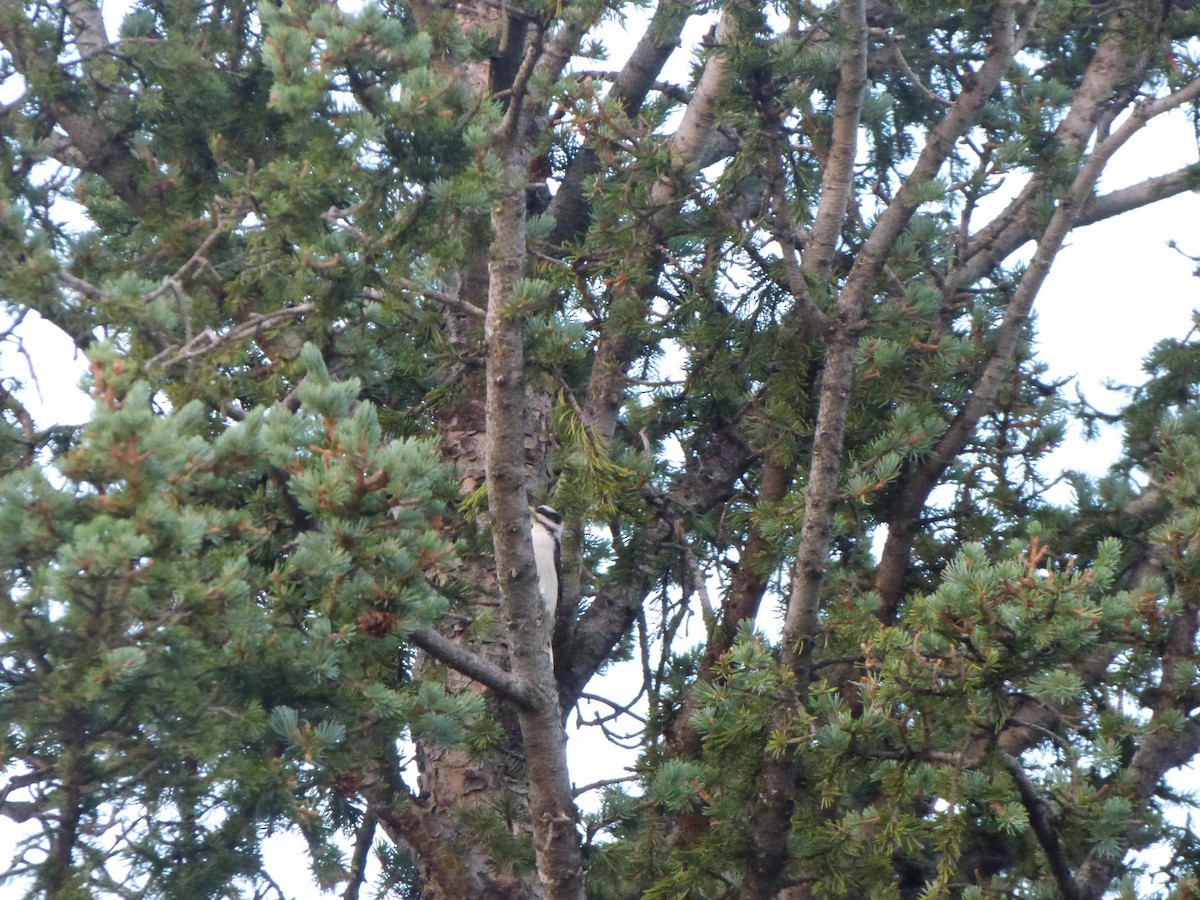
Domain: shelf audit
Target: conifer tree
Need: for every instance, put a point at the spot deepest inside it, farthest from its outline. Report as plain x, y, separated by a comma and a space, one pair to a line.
751, 307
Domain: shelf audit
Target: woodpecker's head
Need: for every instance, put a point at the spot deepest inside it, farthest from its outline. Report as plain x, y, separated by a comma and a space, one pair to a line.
548, 518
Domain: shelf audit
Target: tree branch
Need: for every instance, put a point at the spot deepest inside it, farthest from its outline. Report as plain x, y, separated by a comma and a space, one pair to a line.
1171, 738
363, 840
610, 615
457, 657
208, 340
87, 24
618, 343
778, 783
1043, 828
1135, 196
837, 182
442, 298
1006, 42
569, 208
1108, 74
551, 806
95, 145
709, 478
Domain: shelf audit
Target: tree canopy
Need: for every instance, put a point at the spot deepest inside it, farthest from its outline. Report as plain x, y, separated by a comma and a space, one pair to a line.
360, 282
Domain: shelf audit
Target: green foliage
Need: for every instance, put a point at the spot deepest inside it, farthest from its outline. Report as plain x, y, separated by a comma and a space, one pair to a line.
197, 592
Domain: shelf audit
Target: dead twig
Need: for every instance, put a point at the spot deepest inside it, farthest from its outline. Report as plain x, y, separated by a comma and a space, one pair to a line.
208, 340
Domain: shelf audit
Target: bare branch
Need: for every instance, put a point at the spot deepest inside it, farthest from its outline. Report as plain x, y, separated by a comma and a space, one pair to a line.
658, 42
1114, 72
686, 144
1043, 828
87, 289
619, 710
442, 298
603, 782
894, 43
837, 182
459, 658
1141, 194
1006, 43
208, 340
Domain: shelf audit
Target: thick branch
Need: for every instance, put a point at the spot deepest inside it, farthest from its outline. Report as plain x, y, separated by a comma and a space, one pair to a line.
619, 343
995, 375
556, 844
612, 612
1006, 42
1135, 196
1070, 212
1115, 71
778, 787
409, 823
837, 183
459, 658
756, 564
609, 618
686, 145
87, 24
1043, 828
569, 208
358, 860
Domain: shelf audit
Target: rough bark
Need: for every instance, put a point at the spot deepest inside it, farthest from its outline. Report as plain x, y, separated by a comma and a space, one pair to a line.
458, 786
556, 843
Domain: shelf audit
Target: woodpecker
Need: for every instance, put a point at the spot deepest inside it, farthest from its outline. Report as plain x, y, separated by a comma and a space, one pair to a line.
546, 528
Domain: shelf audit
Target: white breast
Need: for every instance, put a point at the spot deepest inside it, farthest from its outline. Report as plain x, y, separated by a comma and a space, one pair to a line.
543, 558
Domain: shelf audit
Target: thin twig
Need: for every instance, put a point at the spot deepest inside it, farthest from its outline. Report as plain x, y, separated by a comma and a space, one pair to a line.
602, 783
442, 298
358, 861
208, 340
618, 709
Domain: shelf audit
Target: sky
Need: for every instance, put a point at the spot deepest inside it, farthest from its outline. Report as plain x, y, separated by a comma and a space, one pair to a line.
1115, 290
1117, 287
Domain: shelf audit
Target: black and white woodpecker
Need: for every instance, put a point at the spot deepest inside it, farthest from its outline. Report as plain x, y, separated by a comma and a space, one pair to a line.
546, 528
